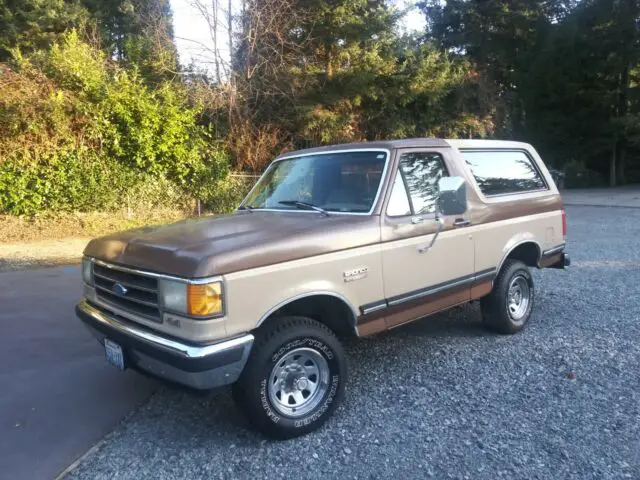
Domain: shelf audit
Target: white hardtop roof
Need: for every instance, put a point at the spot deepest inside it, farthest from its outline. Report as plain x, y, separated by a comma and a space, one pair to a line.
461, 143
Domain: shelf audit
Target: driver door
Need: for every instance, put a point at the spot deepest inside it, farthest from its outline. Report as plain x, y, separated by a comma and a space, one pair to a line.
419, 280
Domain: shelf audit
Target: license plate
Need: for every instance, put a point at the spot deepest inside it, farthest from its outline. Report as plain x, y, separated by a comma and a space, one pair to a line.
114, 354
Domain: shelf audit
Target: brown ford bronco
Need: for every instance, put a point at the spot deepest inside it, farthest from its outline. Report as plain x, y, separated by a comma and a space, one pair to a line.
335, 241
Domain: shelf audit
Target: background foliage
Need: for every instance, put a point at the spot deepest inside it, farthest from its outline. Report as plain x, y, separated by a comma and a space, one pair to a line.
96, 113
82, 133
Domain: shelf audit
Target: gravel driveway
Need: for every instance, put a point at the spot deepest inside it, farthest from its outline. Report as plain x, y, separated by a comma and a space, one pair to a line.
442, 397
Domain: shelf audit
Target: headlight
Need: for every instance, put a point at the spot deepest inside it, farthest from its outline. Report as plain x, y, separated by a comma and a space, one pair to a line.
87, 271
195, 300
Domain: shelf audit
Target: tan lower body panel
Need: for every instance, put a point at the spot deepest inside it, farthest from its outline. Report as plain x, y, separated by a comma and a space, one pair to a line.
397, 315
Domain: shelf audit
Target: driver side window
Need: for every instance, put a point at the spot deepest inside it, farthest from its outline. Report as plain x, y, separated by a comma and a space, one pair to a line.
415, 188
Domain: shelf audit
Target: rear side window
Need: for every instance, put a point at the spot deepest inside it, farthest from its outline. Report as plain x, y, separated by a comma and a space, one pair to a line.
504, 172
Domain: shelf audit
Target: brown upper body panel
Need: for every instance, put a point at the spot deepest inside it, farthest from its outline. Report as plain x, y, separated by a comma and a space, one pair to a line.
382, 145
512, 207
209, 246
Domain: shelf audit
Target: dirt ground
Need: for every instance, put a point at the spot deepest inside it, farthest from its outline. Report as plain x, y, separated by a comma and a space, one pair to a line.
59, 239
44, 253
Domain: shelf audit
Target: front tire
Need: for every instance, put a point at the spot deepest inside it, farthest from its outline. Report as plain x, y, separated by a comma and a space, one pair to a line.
508, 307
294, 378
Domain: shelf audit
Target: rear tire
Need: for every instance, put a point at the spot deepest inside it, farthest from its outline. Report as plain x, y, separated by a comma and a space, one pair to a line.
508, 307
294, 378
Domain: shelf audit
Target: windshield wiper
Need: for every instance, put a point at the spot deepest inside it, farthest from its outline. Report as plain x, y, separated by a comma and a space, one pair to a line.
304, 205
246, 207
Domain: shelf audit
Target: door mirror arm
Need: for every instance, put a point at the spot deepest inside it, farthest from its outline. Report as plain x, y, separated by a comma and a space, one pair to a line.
452, 200
440, 227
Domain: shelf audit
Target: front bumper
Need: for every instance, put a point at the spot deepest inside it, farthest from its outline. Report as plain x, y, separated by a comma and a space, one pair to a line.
197, 366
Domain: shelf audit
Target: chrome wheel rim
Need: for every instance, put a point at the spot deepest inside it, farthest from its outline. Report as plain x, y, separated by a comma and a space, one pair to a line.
518, 298
298, 382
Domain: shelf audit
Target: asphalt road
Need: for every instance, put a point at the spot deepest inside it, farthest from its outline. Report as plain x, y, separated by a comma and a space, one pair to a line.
439, 398
58, 397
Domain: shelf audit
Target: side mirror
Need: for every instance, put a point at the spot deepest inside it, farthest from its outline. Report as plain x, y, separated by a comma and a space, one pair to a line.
452, 199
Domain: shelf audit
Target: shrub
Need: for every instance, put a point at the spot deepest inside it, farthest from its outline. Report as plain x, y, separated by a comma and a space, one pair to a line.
62, 181
84, 134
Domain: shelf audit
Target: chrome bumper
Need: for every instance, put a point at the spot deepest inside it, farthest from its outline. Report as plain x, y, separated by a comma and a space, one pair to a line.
197, 366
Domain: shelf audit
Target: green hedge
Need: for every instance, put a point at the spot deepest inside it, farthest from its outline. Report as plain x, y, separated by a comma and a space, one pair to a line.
69, 183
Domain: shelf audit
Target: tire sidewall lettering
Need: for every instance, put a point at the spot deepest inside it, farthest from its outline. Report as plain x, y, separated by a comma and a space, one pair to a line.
273, 416
303, 342
335, 379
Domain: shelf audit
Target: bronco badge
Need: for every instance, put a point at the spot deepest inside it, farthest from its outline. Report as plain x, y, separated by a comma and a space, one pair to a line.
355, 274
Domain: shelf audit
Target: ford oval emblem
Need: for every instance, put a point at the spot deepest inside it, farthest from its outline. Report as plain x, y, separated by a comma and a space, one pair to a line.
119, 289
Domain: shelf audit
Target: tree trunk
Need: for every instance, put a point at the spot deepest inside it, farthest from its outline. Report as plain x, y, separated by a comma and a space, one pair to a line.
624, 83
329, 58
622, 158
230, 28
612, 169
246, 34
214, 35
623, 108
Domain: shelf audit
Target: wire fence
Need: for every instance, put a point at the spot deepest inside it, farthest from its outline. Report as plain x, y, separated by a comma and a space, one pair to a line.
248, 176
231, 194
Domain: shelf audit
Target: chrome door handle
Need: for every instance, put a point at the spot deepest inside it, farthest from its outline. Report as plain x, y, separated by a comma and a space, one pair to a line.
416, 220
461, 222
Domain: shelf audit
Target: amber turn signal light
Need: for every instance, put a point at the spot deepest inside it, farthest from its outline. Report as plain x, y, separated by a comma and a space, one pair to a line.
204, 300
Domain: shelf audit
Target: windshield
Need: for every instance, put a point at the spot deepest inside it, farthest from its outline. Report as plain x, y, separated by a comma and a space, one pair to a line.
335, 182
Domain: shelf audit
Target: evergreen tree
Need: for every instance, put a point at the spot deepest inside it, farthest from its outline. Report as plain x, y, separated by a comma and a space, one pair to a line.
561, 73
35, 24
137, 32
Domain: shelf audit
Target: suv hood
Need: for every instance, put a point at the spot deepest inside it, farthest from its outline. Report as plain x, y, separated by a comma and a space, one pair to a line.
209, 246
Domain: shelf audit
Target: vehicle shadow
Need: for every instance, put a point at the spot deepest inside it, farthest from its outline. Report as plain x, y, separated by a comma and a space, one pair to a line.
216, 417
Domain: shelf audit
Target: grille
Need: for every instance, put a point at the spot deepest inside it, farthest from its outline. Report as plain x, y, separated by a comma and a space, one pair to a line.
141, 297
